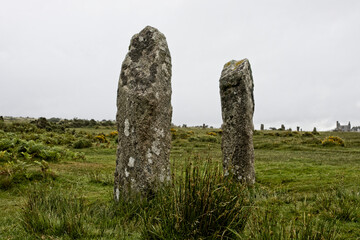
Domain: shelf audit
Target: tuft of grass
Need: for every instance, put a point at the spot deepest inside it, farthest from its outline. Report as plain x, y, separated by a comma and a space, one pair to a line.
339, 204
269, 224
201, 204
52, 213
101, 178
82, 143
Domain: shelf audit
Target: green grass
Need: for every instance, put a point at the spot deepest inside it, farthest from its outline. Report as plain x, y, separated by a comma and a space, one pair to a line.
303, 190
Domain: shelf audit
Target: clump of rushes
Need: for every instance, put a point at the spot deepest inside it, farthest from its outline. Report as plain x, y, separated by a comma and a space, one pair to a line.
333, 141
202, 204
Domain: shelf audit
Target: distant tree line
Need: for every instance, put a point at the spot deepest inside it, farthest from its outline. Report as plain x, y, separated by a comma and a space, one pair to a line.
78, 123
52, 124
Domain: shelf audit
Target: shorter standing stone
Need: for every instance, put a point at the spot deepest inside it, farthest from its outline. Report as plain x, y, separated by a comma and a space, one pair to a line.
237, 102
262, 127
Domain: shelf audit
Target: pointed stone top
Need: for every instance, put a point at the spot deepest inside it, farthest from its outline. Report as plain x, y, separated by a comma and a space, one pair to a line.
144, 42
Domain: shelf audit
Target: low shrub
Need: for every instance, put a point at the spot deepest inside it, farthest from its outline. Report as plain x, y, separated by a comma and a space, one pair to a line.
333, 141
82, 143
181, 134
16, 172
5, 156
284, 134
113, 134
312, 140
307, 134
208, 139
101, 138
211, 133
12, 148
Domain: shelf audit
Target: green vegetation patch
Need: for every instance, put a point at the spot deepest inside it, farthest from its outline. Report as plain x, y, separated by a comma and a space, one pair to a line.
304, 189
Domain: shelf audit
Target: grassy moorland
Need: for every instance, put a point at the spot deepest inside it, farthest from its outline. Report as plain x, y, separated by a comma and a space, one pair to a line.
56, 182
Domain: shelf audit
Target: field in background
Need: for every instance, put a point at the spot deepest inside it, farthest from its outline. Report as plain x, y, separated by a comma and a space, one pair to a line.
304, 187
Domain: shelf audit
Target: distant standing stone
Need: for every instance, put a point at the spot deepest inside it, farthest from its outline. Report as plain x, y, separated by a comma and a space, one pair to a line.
144, 115
237, 102
262, 127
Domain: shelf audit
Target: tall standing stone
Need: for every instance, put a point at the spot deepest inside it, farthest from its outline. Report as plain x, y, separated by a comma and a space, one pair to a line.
237, 102
144, 115
262, 127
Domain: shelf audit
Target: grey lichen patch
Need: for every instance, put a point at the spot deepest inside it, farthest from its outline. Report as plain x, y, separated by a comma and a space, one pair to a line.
117, 194
155, 147
159, 132
126, 173
131, 162
149, 156
126, 127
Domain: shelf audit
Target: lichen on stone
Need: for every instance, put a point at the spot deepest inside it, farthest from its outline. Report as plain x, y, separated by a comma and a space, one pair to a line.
155, 149
126, 173
239, 62
131, 162
227, 64
126, 127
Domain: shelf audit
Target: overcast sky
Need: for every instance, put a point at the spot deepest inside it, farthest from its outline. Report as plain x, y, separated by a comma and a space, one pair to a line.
62, 58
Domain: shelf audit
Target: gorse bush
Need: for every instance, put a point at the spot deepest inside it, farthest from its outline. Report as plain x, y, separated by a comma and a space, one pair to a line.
211, 133
333, 141
101, 138
113, 134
